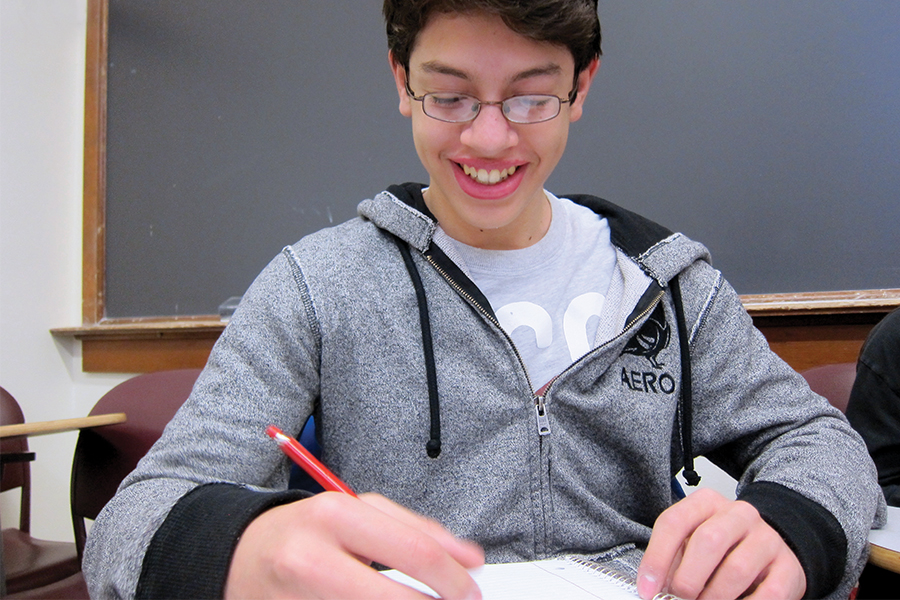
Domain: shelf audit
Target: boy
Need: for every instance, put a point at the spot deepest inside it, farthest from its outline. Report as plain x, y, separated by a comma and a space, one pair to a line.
508, 367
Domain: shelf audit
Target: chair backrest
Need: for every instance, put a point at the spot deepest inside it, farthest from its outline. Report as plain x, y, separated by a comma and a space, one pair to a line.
16, 474
105, 455
832, 381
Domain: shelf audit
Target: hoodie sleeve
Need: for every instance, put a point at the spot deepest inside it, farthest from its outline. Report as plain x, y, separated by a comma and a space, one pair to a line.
214, 468
795, 457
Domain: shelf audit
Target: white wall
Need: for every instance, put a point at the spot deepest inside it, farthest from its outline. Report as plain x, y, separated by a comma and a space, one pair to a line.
42, 54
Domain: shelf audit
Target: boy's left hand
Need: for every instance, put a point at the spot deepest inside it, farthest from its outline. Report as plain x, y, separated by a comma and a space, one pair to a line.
707, 546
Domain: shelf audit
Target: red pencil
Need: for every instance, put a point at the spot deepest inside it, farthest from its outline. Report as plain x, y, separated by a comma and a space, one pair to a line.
308, 462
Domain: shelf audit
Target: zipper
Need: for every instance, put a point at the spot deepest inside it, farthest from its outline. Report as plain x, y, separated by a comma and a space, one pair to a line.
468, 297
642, 314
539, 400
540, 410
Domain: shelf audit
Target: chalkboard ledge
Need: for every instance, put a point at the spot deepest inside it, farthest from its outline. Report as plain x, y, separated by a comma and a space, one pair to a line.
146, 344
805, 329
821, 303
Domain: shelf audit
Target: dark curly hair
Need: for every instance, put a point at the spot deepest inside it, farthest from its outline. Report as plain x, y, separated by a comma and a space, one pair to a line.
570, 23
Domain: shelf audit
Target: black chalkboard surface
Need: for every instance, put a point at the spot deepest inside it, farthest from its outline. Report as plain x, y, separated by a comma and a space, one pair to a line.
769, 130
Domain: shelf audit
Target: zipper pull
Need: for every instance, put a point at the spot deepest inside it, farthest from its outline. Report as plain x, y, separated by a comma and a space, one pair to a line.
543, 421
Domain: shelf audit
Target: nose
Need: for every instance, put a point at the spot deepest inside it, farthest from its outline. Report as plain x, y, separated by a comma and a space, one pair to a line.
489, 133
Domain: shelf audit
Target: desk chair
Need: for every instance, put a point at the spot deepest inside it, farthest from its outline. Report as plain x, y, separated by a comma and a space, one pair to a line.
299, 478
31, 564
104, 456
834, 382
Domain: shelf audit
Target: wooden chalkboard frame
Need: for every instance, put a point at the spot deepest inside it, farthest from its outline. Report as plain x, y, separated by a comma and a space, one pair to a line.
142, 344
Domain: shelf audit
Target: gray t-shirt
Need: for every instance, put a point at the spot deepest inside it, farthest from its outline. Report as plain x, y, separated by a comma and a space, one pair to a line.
549, 297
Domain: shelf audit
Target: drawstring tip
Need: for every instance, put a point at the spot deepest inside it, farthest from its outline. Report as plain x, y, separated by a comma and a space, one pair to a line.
433, 447
691, 477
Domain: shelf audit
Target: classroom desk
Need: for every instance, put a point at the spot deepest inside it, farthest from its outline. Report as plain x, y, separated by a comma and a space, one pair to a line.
41, 428
884, 544
59, 425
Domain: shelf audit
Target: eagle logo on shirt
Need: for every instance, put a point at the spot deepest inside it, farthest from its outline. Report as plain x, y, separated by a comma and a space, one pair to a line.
652, 338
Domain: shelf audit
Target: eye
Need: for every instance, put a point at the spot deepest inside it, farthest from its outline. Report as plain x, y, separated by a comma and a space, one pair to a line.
447, 100
535, 102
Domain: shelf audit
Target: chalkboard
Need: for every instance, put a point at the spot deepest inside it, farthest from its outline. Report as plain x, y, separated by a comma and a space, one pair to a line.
768, 130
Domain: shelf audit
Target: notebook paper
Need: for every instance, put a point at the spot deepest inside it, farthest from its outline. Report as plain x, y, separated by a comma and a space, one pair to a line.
568, 577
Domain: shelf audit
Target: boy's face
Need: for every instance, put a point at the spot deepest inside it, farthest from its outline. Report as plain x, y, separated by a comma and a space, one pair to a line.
479, 56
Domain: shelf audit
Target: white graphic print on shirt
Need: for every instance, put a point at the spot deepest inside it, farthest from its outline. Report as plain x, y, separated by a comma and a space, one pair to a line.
547, 297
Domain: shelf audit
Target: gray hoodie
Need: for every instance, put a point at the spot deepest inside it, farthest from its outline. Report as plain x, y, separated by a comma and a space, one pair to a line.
333, 327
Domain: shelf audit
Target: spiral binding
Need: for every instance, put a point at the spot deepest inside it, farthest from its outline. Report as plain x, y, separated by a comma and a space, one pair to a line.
619, 578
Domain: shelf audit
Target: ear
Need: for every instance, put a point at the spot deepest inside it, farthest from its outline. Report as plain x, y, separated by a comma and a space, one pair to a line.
400, 80
584, 84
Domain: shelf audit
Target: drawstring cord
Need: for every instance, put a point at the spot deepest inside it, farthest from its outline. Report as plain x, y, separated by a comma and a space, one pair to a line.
686, 404
433, 447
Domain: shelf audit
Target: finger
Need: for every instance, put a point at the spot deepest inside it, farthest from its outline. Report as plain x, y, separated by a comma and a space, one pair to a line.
313, 548
785, 579
404, 542
676, 562
737, 574
712, 543
469, 554
356, 580
747, 564
671, 530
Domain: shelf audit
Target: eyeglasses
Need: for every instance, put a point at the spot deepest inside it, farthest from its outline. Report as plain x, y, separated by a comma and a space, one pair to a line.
461, 108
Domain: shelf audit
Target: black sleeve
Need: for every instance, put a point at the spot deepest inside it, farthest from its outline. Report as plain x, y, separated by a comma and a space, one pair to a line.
812, 532
190, 553
874, 406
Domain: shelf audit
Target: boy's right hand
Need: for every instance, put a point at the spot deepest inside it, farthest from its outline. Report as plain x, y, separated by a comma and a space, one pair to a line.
322, 546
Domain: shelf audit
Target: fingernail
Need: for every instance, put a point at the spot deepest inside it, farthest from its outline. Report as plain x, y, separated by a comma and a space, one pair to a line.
646, 586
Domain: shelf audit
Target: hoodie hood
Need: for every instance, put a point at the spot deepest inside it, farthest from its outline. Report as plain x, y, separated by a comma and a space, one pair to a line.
659, 252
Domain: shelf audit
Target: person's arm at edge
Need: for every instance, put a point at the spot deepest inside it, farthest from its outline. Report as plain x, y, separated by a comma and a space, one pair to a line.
874, 405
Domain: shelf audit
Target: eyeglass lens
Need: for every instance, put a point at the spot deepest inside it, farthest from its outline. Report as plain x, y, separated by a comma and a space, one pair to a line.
518, 109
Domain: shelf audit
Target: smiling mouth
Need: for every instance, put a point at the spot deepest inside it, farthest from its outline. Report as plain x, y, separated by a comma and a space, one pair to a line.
485, 177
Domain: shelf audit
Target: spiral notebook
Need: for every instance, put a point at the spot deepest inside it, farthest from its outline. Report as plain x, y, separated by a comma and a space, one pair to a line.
571, 577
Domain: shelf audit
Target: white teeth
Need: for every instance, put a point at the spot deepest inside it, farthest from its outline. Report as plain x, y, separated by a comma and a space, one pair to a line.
485, 177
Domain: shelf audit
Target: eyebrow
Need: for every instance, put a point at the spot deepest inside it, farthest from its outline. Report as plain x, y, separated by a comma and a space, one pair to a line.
440, 68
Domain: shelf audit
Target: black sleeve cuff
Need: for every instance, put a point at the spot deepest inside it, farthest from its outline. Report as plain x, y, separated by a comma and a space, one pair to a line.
190, 553
812, 532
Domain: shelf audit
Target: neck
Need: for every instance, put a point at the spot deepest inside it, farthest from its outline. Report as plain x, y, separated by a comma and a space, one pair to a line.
526, 230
